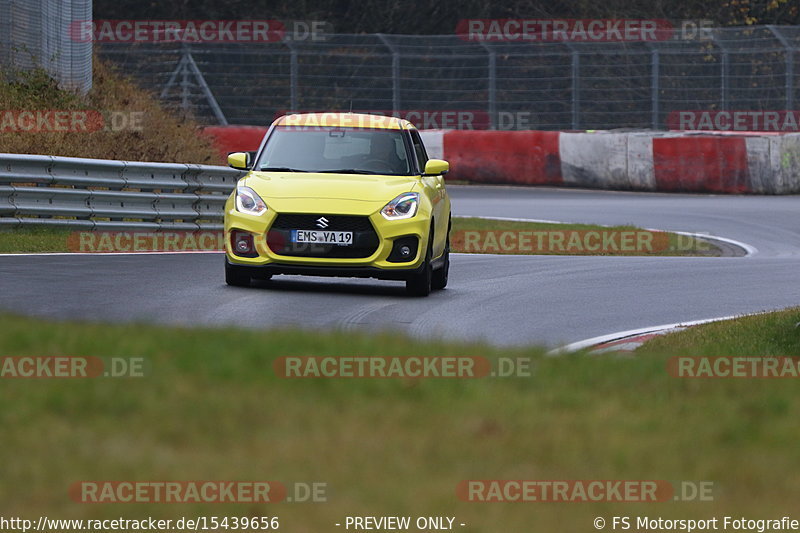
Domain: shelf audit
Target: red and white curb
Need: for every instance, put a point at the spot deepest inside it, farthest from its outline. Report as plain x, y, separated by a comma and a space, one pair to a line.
628, 341
628, 344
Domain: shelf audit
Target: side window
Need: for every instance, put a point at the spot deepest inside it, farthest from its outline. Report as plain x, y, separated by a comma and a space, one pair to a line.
422, 155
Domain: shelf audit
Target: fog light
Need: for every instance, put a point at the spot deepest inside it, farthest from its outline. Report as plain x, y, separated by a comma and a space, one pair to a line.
242, 244
404, 249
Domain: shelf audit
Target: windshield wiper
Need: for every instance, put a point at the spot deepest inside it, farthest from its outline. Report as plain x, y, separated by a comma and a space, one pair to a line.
347, 171
282, 169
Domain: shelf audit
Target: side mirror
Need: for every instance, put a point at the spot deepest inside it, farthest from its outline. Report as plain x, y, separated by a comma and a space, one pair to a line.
436, 167
239, 160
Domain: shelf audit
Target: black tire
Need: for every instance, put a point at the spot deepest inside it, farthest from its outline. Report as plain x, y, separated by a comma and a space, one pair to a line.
236, 276
439, 280
419, 283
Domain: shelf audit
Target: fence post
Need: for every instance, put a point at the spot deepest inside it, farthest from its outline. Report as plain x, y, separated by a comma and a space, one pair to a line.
576, 87
725, 74
395, 72
492, 67
725, 82
293, 74
185, 78
655, 75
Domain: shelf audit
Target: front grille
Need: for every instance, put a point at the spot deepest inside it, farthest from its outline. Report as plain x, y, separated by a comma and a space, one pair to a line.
335, 222
365, 239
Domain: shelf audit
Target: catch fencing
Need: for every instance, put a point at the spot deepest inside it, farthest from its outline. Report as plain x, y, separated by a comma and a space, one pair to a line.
36, 34
447, 81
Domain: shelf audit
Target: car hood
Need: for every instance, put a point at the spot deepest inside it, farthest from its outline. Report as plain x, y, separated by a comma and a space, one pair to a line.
356, 187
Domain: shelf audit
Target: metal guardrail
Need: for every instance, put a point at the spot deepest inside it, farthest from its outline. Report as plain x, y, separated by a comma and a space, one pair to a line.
108, 195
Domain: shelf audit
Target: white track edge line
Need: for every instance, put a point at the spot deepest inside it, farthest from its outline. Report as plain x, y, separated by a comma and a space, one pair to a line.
620, 335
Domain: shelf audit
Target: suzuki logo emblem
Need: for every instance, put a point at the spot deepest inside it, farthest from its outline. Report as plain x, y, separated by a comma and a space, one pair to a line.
322, 222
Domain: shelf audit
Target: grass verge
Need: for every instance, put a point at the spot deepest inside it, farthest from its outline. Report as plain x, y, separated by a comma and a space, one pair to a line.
211, 408
35, 239
768, 334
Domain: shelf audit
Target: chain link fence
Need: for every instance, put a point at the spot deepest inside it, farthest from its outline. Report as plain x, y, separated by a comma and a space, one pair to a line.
548, 86
36, 34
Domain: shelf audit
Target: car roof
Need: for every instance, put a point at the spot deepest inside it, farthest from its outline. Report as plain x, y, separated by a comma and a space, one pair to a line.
345, 120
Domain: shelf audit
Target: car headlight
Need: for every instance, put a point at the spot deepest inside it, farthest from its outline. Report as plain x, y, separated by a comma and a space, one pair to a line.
248, 201
404, 206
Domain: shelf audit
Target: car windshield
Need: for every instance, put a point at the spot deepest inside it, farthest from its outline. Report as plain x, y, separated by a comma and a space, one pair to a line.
333, 149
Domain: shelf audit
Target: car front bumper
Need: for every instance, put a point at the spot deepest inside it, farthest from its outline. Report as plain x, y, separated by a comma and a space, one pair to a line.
376, 265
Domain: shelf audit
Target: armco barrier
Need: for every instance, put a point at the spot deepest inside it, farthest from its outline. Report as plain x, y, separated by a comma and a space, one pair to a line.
638, 160
109, 195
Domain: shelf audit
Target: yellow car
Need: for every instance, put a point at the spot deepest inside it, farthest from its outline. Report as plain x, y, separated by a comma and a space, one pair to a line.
340, 194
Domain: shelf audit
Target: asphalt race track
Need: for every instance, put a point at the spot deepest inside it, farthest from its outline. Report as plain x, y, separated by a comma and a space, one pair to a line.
506, 300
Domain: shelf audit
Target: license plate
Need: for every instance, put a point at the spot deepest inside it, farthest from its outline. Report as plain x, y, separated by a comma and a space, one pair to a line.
340, 238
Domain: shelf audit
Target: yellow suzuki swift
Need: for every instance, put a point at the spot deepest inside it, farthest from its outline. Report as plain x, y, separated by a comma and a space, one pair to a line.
340, 194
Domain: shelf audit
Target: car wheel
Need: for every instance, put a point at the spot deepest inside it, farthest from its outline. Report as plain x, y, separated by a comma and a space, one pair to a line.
236, 276
419, 284
439, 280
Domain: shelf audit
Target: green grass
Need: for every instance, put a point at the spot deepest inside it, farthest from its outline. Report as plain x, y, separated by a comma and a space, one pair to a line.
34, 240
769, 334
212, 408
662, 243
